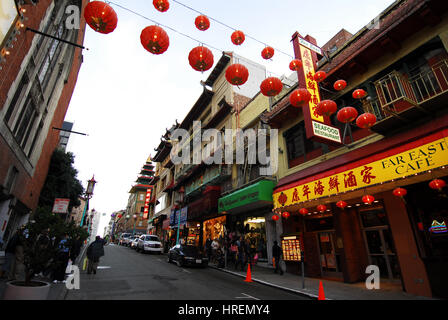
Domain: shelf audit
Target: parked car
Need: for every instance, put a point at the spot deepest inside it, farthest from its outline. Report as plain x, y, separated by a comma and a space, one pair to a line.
185, 255
123, 238
149, 243
134, 241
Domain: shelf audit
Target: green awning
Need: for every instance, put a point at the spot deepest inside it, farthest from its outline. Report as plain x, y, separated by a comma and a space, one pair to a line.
257, 193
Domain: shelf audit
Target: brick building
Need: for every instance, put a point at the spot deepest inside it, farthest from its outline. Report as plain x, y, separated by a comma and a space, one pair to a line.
37, 78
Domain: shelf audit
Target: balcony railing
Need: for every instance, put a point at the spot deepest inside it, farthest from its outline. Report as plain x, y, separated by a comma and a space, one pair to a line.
397, 92
427, 85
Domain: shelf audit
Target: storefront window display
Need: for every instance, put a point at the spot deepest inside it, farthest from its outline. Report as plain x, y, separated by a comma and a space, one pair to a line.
193, 235
214, 229
254, 230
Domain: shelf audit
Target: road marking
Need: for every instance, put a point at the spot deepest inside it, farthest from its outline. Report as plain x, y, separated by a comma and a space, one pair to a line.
159, 260
103, 267
186, 271
246, 297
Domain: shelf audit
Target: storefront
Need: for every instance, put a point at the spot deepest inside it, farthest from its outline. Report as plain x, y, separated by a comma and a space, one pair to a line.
158, 222
249, 210
404, 236
214, 229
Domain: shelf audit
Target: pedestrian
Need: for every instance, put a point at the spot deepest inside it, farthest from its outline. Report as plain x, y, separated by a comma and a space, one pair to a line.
215, 247
276, 254
75, 248
208, 247
240, 254
62, 258
247, 252
94, 252
8, 267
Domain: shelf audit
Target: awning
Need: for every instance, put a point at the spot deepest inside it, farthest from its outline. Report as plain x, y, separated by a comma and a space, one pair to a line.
254, 196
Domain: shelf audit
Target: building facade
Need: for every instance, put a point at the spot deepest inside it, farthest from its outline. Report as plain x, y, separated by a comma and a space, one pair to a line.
38, 75
402, 65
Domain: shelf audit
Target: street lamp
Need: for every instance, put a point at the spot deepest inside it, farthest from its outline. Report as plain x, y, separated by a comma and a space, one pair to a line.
135, 221
88, 194
181, 202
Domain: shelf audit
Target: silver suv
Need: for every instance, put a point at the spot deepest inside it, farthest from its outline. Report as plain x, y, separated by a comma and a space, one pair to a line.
149, 243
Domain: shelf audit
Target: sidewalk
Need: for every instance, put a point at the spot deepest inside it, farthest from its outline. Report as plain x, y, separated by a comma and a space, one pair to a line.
57, 290
334, 290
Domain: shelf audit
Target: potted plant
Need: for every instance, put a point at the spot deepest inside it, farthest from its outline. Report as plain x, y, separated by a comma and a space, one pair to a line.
39, 239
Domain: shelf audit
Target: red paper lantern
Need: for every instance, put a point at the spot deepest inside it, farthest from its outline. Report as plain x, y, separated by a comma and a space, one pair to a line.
340, 85
326, 108
366, 120
200, 58
237, 37
399, 192
100, 17
237, 74
285, 214
341, 204
368, 199
282, 198
119, 216
299, 97
155, 39
267, 53
347, 114
161, 5
271, 86
359, 94
275, 217
202, 22
321, 208
295, 65
437, 184
320, 76
303, 211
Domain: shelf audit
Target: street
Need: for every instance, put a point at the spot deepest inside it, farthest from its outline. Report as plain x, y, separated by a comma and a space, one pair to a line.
124, 274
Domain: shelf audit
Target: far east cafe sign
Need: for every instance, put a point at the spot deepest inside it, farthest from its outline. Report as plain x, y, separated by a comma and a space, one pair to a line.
410, 159
317, 127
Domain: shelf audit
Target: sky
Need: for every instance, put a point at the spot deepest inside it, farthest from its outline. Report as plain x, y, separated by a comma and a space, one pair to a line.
126, 97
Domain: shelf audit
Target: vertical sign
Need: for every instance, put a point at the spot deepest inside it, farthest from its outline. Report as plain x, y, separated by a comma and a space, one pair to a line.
147, 200
317, 127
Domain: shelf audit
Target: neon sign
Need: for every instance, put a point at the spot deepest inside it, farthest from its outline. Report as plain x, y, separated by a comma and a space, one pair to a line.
438, 227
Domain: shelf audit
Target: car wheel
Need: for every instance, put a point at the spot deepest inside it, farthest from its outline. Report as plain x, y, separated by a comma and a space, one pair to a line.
179, 263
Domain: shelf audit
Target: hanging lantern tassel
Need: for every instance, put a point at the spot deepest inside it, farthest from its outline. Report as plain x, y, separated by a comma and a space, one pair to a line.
400, 192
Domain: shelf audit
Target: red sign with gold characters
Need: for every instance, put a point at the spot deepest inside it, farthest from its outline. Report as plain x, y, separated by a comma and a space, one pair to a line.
147, 200
317, 127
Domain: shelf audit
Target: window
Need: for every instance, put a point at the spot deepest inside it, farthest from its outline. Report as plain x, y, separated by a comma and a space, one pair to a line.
25, 123
11, 179
299, 148
142, 197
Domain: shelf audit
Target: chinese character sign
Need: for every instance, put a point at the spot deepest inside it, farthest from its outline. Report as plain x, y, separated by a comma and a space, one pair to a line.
311, 84
400, 165
147, 200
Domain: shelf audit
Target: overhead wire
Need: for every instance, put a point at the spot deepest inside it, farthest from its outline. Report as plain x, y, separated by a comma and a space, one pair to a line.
179, 32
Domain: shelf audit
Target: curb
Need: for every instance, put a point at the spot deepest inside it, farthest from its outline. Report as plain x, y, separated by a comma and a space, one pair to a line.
298, 292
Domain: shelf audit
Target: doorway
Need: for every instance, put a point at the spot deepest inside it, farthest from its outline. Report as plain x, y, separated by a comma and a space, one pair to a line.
379, 242
329, 258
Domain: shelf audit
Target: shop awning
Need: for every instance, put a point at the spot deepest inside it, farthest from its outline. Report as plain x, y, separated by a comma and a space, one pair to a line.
252, 197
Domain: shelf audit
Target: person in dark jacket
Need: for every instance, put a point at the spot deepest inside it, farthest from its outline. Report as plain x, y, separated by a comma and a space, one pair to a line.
62, 258
94, 252
276, 254
75, 249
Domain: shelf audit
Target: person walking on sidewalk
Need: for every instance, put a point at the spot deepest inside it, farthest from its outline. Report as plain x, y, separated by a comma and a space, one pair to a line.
277, 253
62, 258
94, 252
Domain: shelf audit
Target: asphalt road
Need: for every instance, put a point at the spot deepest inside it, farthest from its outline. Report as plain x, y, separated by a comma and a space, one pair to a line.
124, 274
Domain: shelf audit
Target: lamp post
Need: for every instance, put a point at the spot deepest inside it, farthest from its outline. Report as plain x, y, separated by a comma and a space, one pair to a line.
89, 193
181, 202
135, 221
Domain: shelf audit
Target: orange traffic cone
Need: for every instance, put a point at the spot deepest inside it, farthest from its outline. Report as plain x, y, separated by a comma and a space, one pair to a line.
321, 292
248, 276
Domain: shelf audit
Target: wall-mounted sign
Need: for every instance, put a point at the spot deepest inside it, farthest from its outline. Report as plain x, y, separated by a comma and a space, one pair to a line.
365, 173
317, 127
438, 227
147, 200
60, 205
